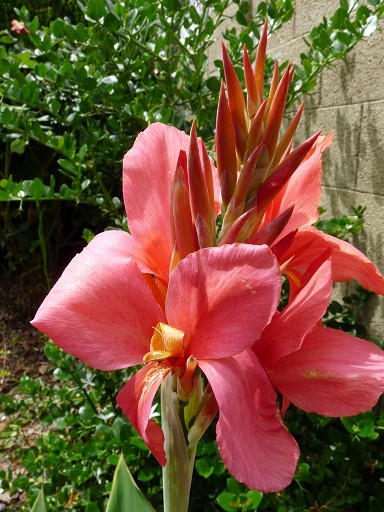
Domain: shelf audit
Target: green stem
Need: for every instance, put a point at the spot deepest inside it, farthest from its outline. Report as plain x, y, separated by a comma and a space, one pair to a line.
81, 388
177, 473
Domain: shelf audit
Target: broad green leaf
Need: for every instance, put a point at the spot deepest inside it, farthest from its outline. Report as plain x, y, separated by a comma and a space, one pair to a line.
125, 495
111, 22
57, 28
39, 505
96, 9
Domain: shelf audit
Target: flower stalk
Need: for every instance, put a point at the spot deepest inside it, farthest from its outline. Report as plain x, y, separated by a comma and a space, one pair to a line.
177, 473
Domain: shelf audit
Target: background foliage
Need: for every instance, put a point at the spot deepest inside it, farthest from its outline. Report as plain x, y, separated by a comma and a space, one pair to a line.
75, 92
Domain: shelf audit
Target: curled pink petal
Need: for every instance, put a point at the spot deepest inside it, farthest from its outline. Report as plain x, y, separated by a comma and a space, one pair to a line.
101, 310
254, 444
347, 261
333, 374
135, 399
223, 297
148, 171
287, 329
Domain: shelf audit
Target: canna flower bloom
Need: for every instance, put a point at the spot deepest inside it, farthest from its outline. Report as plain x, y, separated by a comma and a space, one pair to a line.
102, 311
270, 193
162, 171
19, 28
319, 369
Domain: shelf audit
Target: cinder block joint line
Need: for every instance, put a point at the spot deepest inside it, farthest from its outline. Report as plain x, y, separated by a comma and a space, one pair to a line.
342, 105
345, 189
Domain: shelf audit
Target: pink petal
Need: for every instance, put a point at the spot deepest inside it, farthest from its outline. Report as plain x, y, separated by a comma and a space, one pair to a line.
223, 297
333, 374
302, 190
287, 330
122, 243
101, 310
252, 440
135, 399
347, 261
148, 170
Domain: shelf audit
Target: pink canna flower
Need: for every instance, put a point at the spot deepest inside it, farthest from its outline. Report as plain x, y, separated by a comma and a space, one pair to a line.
19, 27
149, 171
303, 192
271, 193
102, 311
319, 369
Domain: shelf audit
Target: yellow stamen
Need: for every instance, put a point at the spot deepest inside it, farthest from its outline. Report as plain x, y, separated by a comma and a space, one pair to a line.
166, 342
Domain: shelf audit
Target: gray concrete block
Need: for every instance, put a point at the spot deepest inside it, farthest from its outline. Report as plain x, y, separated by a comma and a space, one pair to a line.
309, 13
359, 78
370, 175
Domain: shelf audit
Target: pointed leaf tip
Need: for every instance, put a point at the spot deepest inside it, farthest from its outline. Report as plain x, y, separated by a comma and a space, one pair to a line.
39, 505
125, 494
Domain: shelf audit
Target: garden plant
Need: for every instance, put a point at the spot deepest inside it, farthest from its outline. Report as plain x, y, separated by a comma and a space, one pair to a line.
186, 291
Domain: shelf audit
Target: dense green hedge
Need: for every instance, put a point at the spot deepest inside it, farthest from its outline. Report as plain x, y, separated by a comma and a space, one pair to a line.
46, 10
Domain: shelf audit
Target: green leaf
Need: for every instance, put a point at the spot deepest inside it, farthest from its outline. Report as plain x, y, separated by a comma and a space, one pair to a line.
18, 146
213, 84
234, 486
96, 9
37, 188
227, 501
111, 22
255, 497
125, 495
204, 467
338, 19
362, 13
57, 28
39, 505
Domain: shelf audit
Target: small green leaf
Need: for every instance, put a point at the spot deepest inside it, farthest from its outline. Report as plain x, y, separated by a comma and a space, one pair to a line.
57, 28
234, 486
39, 505
96, 9
228, 501
204, 467
111, 22
18, 146
255, 497
37, 189
125, 495
213, 84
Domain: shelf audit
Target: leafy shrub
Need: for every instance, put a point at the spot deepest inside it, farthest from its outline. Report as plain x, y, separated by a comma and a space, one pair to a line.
76, 93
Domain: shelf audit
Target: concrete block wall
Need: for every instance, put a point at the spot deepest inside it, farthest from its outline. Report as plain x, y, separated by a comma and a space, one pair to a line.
348, 101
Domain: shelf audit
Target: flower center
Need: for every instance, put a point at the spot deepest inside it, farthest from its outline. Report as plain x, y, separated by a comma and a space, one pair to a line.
166, 342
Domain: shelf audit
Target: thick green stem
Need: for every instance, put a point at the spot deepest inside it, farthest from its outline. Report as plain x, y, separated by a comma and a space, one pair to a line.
177, 473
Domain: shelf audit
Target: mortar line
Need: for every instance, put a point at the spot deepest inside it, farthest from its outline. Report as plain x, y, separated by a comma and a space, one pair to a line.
359, 145
368, 102
345, 189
